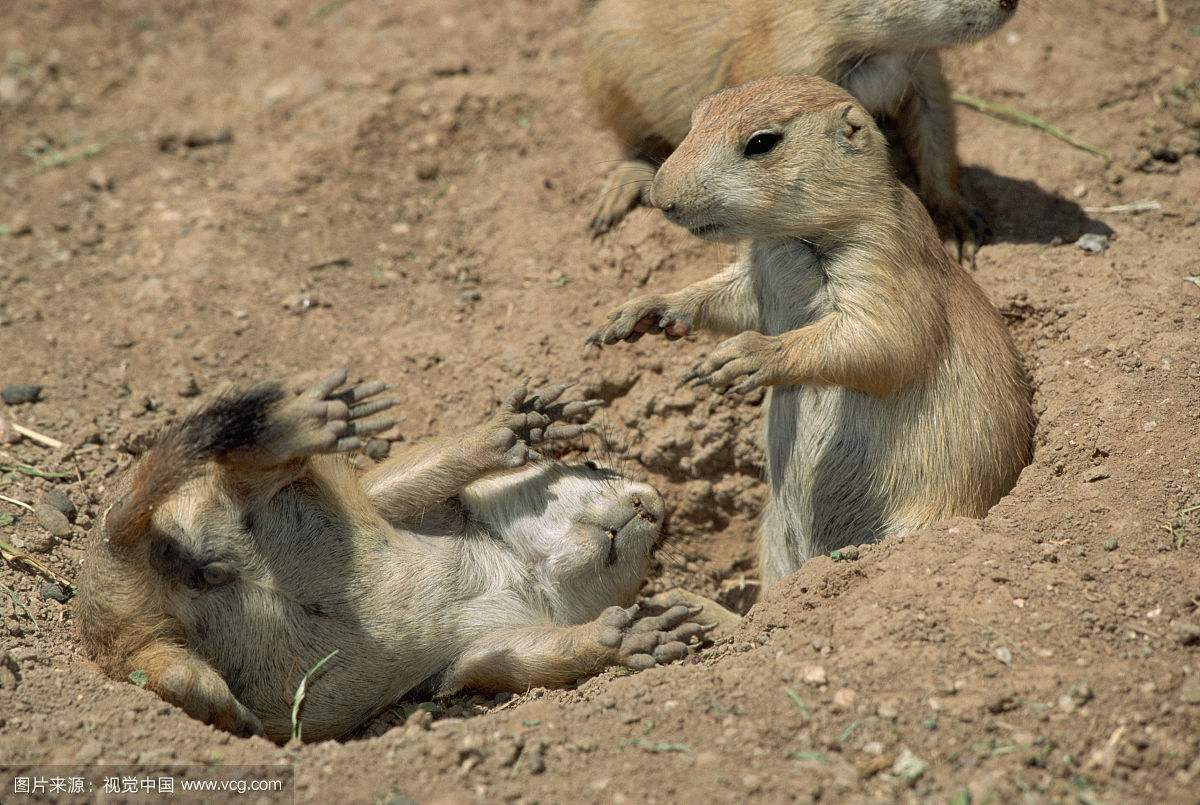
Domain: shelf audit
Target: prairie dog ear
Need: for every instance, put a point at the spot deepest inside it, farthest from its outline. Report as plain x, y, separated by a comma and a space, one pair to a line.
852, 124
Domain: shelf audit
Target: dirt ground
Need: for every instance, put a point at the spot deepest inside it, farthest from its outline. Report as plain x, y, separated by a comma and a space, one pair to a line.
196, 192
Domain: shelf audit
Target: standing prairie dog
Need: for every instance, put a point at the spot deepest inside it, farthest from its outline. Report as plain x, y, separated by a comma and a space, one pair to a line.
897, 397
648, 62
242, 550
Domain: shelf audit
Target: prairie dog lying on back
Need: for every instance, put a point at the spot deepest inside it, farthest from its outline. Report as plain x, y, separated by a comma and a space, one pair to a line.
897, 397
243, 550
648, 62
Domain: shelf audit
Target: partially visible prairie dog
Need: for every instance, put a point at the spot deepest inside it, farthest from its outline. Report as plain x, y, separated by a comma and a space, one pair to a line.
897, 397
243, 549
648, 62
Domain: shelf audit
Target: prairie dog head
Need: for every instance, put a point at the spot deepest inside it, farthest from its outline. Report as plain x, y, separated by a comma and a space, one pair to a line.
778, 158
923, 24
585, 532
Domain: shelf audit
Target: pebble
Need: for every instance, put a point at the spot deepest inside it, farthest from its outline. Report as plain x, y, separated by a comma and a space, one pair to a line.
1189, 691
8, 434
190, 388
64, 504
1093, 243
909, 767
378, 449
18, 393
52, 520
99, 180
1111, 545
1097, 474
53, 592
844, 698
1004, 655
814, 675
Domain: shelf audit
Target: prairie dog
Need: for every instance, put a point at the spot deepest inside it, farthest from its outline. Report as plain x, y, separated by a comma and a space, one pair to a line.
243, 549
897, 397
648, 62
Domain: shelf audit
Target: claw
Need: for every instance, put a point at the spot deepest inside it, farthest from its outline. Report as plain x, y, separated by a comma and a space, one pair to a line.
548, 395
694, 374
515, 397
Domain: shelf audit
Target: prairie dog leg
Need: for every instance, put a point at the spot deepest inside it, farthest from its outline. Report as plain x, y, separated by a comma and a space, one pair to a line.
780, 550
723, 303
722, 621
625, 188
519, 658
191, 684
428, 474
927, 129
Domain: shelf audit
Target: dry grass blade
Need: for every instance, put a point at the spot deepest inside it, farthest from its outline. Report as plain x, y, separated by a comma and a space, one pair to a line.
16, 502
1160, 7
1141, 205
302, 691
1012, 115
10, 554
40, 438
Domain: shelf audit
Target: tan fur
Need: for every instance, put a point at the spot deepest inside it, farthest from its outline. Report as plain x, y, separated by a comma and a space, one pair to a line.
244, 550
648, 62
897, 395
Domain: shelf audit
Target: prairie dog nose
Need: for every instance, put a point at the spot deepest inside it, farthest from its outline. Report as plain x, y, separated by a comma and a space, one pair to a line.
646, 501
1009, 5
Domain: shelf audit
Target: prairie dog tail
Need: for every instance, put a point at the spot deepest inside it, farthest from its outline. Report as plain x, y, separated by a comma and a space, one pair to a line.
238, 419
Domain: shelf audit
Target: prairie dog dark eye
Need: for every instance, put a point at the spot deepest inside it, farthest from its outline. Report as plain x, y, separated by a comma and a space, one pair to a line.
591, 465
761, 142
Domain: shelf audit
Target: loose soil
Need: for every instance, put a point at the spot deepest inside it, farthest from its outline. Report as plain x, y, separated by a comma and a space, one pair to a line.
198, 192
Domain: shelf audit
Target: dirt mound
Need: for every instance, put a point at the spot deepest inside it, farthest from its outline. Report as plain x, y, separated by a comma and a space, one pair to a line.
199, 192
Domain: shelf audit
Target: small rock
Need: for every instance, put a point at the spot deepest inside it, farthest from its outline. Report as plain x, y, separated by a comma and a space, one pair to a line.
1097, 474
64, 504
1189, 691
52, 520
99, 180
814, 675
190, 388
1002, 703
378, 449
471, 295
888, 711
1066, 703
1185, 633
53, 592
844, 698
1093, 243
1004, 655
18, 393
1111, 545
8, 434
909, 767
